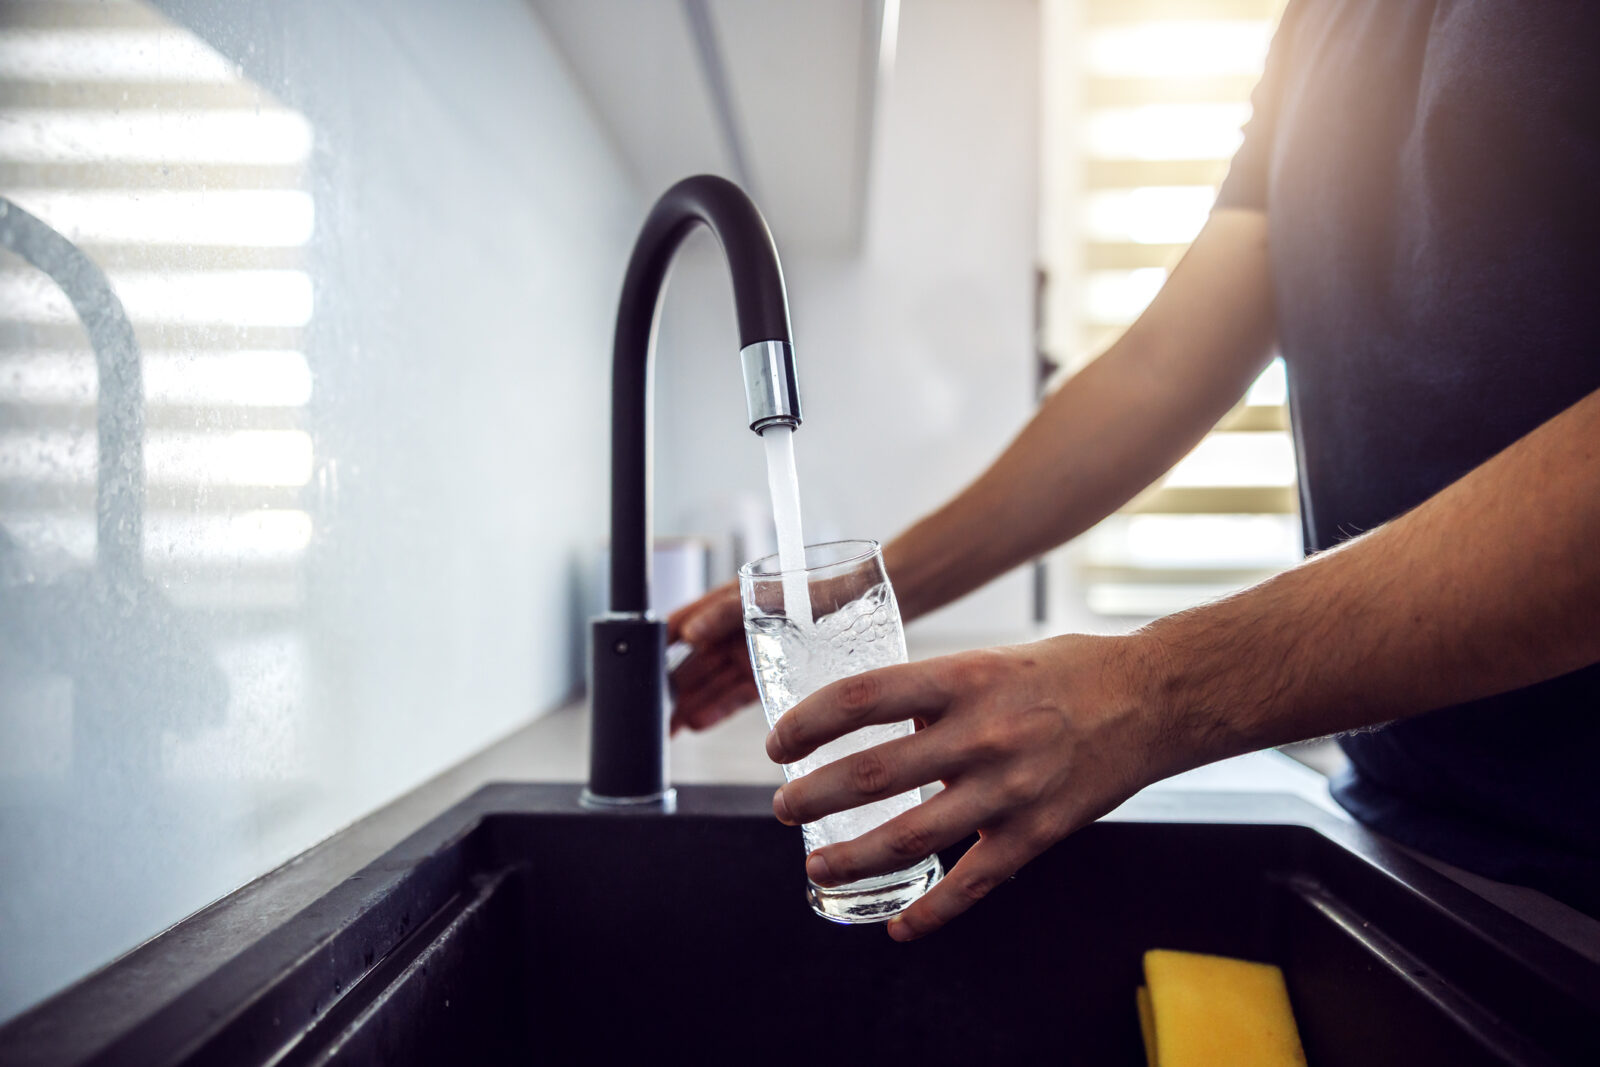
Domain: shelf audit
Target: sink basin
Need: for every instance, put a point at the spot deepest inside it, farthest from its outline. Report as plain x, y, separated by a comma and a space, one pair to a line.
520, 927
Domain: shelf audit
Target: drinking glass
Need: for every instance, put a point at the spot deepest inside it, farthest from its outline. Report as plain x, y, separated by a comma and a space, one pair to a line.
856, 629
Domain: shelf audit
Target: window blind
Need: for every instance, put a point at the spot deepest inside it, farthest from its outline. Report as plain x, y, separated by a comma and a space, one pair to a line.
187, 185
1159, 93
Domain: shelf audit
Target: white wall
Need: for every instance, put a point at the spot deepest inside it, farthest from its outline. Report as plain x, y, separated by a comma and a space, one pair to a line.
915, 358
471, 224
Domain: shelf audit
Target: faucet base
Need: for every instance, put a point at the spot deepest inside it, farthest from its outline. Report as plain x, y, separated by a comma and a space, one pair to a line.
628, 704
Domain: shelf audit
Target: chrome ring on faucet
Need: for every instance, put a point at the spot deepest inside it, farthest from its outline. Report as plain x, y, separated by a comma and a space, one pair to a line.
771, 391
666, 800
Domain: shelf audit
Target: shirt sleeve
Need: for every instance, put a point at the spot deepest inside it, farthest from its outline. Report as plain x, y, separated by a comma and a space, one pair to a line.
1246, 185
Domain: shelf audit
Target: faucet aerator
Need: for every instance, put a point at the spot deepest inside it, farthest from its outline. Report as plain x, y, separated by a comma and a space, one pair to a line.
771, 391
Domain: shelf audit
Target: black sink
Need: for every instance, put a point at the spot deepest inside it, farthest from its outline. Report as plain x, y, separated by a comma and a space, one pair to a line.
521, 928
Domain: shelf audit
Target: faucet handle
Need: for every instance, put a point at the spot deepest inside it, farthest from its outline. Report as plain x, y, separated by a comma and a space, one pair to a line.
628, 701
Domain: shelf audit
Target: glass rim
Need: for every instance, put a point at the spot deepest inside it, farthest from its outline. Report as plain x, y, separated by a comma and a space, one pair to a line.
868, 548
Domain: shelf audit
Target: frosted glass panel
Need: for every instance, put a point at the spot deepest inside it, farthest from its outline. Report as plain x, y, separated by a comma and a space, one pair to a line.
309, 533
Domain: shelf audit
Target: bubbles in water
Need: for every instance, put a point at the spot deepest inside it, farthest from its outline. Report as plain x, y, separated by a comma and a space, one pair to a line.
792, 662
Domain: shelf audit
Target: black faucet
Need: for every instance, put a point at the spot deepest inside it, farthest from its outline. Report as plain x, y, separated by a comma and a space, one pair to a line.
627, 682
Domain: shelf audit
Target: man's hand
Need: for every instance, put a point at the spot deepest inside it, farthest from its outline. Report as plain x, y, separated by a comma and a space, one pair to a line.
1489, 585
715, 681
1032, 742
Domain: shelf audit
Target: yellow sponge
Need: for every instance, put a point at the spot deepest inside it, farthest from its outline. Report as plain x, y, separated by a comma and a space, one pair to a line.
1202, 1011
1147, 1026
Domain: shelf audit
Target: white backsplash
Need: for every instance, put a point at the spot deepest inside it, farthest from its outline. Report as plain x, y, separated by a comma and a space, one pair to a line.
370, 252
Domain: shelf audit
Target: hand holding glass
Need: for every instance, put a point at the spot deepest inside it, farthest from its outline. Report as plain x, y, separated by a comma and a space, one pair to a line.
856, 629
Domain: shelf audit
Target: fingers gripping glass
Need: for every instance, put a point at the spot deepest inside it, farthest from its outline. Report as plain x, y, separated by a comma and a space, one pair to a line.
856, 629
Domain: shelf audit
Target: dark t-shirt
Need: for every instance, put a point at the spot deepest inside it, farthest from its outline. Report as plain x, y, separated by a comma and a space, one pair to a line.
1431, 177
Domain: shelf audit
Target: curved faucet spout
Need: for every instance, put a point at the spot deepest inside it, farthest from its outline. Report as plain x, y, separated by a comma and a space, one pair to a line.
766, 346
627, 756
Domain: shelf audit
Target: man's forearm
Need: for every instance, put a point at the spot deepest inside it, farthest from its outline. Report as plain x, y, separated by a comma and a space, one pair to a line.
1109, 431
1095, 443
1490, 585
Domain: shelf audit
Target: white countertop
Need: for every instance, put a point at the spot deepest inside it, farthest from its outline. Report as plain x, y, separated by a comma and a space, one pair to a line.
555, 748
